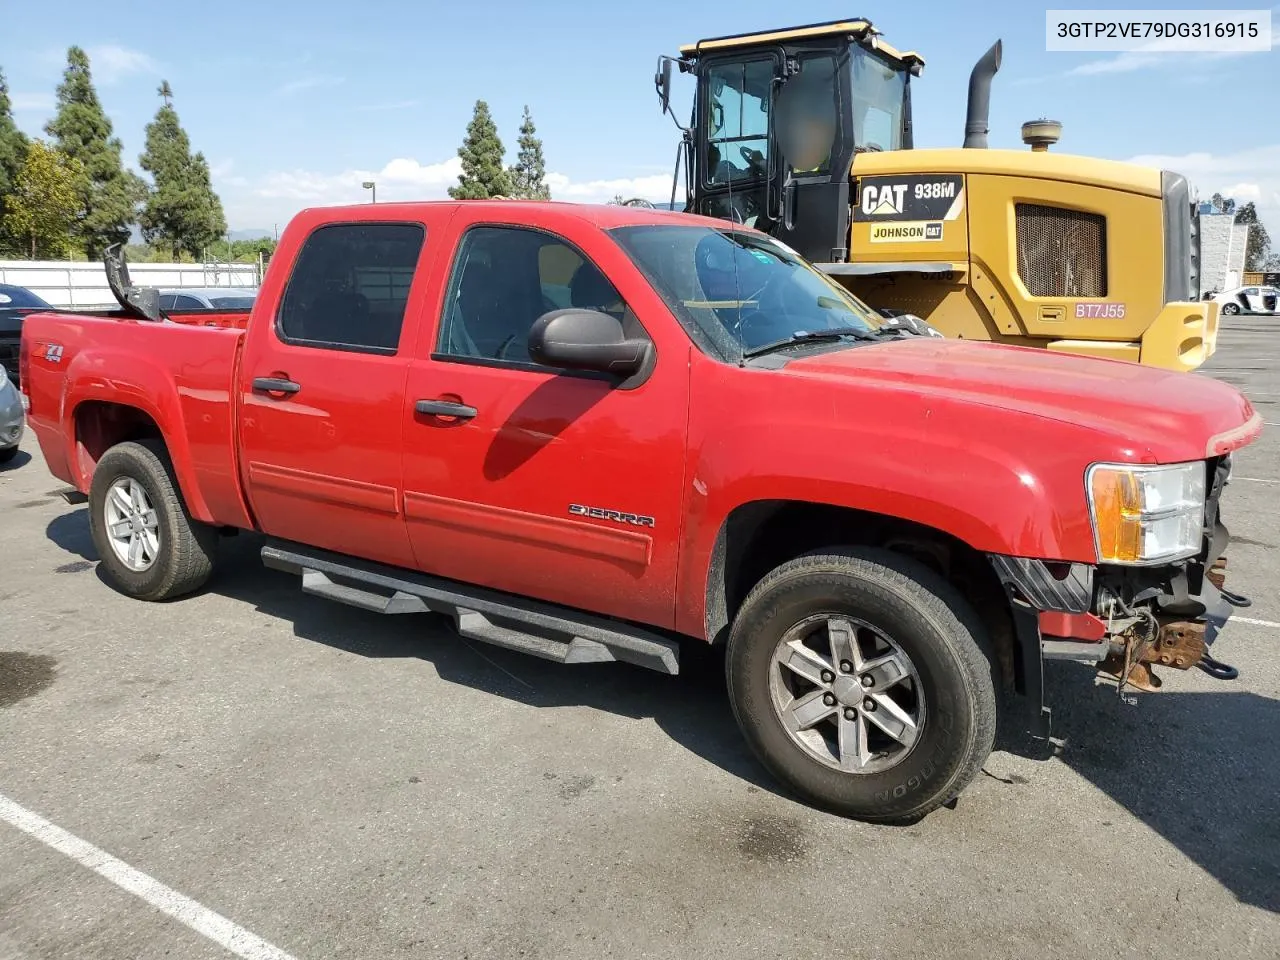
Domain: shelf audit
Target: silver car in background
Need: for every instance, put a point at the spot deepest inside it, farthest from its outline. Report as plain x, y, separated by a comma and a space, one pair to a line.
12, 418
207, 298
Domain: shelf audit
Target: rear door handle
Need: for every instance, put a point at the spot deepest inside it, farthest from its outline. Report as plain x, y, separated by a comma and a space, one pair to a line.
275, 385
444, 408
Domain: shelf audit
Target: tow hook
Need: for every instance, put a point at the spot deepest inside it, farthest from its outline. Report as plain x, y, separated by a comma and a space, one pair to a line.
1174, 643
1217, 575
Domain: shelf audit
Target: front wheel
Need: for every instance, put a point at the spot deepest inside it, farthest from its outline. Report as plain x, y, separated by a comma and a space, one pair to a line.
1230, 309
863, 681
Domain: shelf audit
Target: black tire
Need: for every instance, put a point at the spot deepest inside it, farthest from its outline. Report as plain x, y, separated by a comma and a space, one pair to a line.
8, 454
930, 622
187, 547
1230, 309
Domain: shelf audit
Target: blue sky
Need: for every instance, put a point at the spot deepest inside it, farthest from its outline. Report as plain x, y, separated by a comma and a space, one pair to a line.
294, 103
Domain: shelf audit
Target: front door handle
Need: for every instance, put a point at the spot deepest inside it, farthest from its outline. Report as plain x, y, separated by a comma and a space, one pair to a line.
275, 385
444, 408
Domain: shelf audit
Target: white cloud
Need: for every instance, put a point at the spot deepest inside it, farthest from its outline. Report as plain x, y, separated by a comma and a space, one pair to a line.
306, 83
277, 196
1247, 175
33, 102
111, 63
654, 187
1180, 52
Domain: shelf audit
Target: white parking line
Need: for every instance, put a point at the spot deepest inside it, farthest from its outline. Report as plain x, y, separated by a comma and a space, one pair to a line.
200, 919
1256, 623
1255, 480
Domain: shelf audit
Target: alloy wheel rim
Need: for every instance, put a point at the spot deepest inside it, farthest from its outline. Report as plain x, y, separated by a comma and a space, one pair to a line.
133, 527
847, 694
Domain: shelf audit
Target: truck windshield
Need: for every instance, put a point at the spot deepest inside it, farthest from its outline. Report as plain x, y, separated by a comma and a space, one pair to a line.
879, 102
740, 290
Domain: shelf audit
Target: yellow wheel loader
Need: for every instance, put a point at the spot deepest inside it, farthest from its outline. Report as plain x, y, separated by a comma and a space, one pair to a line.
806, 133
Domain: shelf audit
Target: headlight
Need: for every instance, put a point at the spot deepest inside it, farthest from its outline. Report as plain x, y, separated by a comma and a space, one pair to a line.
1147, 515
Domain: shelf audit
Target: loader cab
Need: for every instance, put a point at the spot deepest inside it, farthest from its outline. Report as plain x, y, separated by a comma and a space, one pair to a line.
777, 120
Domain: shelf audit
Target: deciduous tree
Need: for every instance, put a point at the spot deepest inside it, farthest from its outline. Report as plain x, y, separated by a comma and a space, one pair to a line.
110, 194
43, 206
1259, 243
483, 174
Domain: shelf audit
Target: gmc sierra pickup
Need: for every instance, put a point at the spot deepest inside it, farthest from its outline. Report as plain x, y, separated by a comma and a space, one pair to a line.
597, 433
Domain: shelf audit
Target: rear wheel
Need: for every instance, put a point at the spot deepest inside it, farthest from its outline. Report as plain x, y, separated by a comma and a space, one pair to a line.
149, 544
862, 680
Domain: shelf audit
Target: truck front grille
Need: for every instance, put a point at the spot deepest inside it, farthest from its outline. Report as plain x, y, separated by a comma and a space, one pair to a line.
1061, 253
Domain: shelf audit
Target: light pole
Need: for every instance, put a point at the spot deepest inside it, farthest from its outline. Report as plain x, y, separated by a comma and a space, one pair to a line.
370, 185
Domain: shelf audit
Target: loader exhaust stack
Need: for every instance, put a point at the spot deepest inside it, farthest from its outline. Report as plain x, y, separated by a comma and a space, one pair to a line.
976, 123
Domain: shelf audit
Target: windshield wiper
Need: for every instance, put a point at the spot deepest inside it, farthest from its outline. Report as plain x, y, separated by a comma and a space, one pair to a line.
807, 336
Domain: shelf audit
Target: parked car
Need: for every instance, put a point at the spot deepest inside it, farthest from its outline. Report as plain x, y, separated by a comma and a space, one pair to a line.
15, 304
1248, 300
12, 418
712, 443
207, 298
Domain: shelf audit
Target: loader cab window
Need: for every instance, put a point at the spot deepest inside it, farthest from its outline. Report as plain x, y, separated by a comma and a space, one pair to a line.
879, 95
736, 121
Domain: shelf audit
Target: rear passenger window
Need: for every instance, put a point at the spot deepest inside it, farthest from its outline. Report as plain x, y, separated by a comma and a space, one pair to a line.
186, 303
349, 287
504, 279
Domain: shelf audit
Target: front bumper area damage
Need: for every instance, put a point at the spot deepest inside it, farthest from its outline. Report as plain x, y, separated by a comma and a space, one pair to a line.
1127, 620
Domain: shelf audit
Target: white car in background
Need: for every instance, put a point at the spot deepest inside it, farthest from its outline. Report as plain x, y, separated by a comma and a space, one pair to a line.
1256, 299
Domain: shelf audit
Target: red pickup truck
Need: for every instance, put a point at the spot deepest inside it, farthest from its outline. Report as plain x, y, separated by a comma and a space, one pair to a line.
598, 433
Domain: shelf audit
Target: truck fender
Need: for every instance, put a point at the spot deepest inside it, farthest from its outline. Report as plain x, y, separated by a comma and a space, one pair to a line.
151, 390
984, 495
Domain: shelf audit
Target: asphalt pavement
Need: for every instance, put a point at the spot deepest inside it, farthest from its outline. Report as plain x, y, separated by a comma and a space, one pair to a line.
251, 770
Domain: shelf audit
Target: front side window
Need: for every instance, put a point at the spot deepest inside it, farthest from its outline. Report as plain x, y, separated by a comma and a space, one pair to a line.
737, 121
348, 289
809, 116
504, 279
879, 102
739, 290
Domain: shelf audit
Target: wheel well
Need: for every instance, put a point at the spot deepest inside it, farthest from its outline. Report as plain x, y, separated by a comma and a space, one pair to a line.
101, 425
759, 536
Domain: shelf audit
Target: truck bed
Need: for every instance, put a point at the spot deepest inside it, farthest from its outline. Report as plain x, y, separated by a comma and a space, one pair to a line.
179, 374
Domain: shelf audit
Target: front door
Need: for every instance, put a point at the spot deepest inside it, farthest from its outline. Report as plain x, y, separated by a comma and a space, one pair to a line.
322, 393
561, 486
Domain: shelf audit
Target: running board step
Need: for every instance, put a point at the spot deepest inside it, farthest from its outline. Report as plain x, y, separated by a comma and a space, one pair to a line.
517, 623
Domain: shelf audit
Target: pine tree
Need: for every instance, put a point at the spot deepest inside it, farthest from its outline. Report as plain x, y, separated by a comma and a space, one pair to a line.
13, 153
110, 194
483, 172
181, 210
42, 207
527, 176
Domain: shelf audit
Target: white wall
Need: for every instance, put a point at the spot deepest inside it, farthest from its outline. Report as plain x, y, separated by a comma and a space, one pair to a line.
1222, 250
72, 284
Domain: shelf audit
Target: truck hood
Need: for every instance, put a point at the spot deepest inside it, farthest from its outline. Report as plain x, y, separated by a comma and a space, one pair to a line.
1157, 415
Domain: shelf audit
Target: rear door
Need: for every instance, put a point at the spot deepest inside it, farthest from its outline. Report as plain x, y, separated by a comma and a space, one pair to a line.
322, 390
550, 484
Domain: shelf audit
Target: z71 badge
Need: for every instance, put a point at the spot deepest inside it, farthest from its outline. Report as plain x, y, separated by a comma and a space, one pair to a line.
599, 513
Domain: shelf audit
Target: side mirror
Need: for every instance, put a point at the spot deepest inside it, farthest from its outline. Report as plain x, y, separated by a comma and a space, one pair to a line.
662, 80
577, 339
